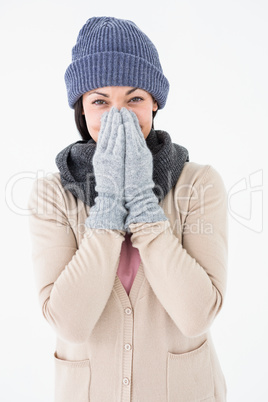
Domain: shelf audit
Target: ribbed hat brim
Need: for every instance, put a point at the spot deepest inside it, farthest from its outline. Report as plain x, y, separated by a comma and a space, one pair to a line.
117, 69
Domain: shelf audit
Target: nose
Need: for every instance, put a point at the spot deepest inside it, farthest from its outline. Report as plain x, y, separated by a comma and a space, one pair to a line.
119, 105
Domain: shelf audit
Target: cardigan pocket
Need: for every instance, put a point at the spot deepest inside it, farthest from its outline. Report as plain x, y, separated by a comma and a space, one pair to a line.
72, 380
189, 376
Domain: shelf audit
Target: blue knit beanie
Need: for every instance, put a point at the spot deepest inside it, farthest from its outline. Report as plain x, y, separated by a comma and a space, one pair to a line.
114, 52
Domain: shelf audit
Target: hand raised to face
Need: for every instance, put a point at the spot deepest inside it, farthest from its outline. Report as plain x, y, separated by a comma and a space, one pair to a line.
139, 160
109, 157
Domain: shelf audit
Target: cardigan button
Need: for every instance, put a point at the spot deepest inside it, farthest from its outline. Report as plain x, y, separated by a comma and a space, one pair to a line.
128, 311
127, 346
125, 381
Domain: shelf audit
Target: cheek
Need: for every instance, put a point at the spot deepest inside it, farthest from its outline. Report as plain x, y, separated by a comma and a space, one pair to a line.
93, 120
144, 116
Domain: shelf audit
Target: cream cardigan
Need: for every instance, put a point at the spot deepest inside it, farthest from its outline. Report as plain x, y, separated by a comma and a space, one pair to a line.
153, 345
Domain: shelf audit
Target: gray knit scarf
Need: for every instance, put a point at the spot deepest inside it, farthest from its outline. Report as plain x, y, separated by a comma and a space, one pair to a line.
77, 175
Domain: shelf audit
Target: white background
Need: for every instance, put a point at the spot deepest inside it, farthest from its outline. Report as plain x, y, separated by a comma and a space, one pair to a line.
214, 54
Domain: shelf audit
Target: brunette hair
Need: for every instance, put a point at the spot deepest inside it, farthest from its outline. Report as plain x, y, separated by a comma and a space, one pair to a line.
80, 120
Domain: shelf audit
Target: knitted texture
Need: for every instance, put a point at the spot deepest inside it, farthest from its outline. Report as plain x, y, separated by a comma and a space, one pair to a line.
114, 52
109, 166
77, 174
140, 200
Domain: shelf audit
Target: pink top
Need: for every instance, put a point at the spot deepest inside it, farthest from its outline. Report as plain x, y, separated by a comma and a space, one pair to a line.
129, 263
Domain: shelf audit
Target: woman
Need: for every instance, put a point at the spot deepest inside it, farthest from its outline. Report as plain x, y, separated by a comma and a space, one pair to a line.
129, 237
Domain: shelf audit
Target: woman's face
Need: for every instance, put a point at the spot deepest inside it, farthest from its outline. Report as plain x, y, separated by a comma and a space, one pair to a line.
101, 100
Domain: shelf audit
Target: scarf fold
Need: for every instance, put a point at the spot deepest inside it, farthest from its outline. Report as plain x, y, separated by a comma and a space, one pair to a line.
77, 174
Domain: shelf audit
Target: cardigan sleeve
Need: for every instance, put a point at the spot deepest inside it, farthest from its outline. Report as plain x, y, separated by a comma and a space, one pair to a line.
74, 283
189, 279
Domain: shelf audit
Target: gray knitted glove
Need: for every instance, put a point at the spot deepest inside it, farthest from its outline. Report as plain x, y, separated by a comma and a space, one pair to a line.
108, 162
141, 202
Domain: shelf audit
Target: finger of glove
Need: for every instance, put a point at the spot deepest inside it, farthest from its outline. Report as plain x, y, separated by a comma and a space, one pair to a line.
103, 120
140, 136
135, 152
126, 116
117, 120
129, 128
130, 116
131, 143
120, 143
101, 135
130, 119
104, 133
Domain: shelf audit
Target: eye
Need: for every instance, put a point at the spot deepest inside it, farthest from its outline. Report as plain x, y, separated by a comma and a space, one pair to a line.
136, 99
98, 102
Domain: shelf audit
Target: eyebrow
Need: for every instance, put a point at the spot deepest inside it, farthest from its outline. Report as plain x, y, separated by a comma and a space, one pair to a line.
107, 96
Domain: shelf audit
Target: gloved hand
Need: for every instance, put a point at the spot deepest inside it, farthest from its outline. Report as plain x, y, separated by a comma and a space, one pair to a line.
108, 163
141, 202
